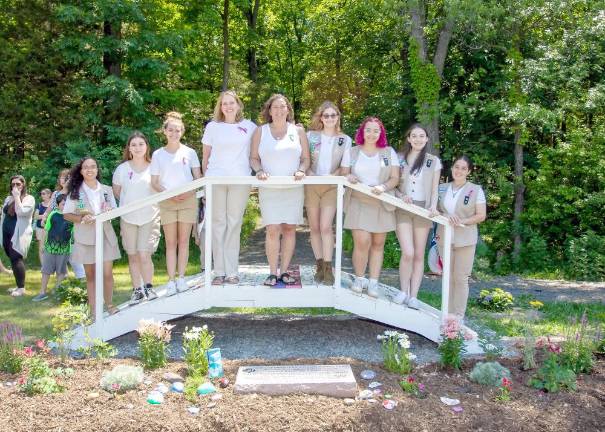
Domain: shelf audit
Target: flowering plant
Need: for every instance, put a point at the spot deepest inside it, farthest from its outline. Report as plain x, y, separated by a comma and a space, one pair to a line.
153, 341
504, 390
39, 377
452, 346
496, 300
412, 386
395, 351
196, 342
11, 341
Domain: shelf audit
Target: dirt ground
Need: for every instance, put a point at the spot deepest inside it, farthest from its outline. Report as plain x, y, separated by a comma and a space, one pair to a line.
77, 409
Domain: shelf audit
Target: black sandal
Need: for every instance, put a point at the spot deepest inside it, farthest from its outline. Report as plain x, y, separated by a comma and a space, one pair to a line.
287, 279
271, 280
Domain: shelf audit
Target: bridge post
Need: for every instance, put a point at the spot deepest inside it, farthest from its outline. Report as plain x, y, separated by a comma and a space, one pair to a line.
445, 276
98, 312
208, 243
338, 254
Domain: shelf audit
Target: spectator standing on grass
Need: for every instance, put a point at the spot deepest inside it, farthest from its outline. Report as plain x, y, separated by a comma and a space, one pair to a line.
464, 204
330, 149
88, 198
374, 164
172, 166
39, 217
280, 148
56, 248
61, 187
16, 231
418, 184
140, 229
226, 153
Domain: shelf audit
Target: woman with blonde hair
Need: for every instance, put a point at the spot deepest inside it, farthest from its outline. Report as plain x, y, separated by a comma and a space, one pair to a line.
172, 166
140, 230
330, 149
280, 148
226, 153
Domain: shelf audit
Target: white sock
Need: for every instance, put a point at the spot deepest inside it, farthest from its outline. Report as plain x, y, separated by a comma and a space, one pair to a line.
373, 281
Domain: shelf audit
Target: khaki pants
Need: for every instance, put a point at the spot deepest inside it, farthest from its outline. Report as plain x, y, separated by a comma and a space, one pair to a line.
228, 206
461, 267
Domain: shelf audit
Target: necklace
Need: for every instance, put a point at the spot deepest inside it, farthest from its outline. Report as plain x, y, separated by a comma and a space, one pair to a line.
276, 135
454, 193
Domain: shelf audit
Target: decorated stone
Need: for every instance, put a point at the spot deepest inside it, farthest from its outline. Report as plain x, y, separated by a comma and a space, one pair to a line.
216, 396
367, 374
206, 388
193, 410
223, 382
177, 387
155, 398
389, 404
374, 384
162, 388
365, 394
172, 377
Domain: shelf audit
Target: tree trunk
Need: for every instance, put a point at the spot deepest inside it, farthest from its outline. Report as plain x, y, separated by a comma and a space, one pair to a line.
111, 60
251, 14
519, 194
225, 16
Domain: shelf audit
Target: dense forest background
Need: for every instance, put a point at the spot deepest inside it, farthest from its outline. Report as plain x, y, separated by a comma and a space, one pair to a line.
517, 84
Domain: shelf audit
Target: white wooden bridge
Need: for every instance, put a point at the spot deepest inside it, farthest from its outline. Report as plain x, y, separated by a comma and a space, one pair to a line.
251, 292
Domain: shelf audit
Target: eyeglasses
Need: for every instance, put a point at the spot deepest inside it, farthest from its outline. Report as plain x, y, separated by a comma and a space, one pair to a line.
89, 168
329, 116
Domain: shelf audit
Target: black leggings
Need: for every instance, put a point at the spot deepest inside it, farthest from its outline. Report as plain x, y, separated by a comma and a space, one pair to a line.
17, 264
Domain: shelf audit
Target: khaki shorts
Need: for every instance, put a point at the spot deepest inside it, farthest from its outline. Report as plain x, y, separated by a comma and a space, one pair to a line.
140, 238
404, 217
185, 211
320, 196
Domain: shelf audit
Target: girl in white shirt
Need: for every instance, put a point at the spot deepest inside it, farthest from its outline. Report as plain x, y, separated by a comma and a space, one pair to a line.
226, 143
174, 165
330, 149
374, 164
418, 184
140, 230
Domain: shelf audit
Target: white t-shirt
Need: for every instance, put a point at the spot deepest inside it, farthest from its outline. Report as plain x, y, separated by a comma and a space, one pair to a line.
96, 198
175, 168
367, 168
415, 187
450, 199
324, 161
280, 158
230, 144
134, 186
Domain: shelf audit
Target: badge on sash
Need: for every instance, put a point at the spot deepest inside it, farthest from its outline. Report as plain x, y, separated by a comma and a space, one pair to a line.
429, 163
466, 199
291, 137
385, 160
341, 141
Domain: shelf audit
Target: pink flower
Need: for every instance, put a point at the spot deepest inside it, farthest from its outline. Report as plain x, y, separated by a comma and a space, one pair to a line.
421, 387
41, 344
28, 351
411, 379
506, 383
115, 386
21, 381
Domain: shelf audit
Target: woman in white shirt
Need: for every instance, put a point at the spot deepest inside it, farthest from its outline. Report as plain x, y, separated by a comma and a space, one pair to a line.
420, 173
280, 148
374, 164
330, 149
140, 230
226, 143
87, 197
172, 166
464, 204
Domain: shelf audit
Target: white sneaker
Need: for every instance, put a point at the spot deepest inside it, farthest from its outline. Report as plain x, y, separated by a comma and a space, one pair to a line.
357, 286
181, 285
400, 298
373, 289
170, 288
413, 303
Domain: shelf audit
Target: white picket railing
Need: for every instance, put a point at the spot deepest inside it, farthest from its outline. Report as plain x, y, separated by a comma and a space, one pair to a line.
208, 182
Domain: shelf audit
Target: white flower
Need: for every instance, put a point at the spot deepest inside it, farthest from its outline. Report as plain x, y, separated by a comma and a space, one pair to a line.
411, 356
380, 337
404, 343
490, 347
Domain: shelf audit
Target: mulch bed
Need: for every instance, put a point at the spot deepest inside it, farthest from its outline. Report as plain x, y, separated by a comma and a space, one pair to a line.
529, 409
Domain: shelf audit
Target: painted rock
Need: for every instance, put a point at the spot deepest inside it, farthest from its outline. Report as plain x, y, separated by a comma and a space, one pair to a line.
172, 377
206, 388
223, 382
177, 387
155, 398
389, 404
162, 388
365, 394
193, 410
368, 374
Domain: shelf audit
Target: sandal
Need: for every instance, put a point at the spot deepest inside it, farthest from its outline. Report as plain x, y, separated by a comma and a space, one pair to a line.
112, 310
232, 280
271, 280
218, 280
287, 279
19, 292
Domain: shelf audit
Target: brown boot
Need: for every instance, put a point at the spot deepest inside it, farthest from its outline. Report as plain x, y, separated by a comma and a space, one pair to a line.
328, 275
319, 271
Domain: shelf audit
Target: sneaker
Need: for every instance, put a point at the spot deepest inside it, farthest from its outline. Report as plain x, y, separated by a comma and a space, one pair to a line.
400, 298
413, 303
181, 285
357, 286
373, 289
171, 288
19, 292
40, 297
137, 296
149, 292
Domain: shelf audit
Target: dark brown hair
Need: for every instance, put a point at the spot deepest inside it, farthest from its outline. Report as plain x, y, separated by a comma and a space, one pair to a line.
11, 206
407, 148
266, 114
126, 155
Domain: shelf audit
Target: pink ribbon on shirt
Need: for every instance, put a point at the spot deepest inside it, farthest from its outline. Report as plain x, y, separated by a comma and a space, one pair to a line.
243, 129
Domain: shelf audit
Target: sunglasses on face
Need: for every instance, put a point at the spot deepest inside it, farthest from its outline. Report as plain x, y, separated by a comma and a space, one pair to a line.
16, 184
329, 116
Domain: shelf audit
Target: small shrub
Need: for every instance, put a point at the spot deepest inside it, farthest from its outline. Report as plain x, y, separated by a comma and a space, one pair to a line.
451, 347
586, 257
552, 377
39, 377
71, 290
529, 350
576, 350
395, 351
196, 343
191, 385
64, 324
11, 343
535, 255
504, 390
153, 343
489, 374
97, 349
411, 386
496, 300
491, 345
122, 378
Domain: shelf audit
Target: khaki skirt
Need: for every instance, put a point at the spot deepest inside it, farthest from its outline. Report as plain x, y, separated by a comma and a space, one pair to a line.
404, 217
85, 254
281, 205
366, 213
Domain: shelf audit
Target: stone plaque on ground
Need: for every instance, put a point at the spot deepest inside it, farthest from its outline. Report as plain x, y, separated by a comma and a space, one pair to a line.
329, 380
